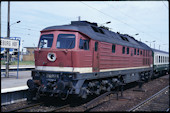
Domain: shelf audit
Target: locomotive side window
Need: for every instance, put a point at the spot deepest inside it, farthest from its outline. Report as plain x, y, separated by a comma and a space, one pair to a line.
46, 41
84, 44
141, 52
123, 50
135, 51
138, 52
113, 48
66, 41
127, 50
96, 46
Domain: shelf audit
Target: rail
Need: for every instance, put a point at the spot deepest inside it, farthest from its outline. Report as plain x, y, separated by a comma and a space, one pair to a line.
147, 100
24, 107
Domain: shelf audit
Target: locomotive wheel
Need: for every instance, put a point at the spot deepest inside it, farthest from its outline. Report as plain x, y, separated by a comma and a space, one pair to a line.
31, 91
30, 95
63, 96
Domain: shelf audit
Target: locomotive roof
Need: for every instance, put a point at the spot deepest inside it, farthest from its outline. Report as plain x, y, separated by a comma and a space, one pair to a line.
101, 34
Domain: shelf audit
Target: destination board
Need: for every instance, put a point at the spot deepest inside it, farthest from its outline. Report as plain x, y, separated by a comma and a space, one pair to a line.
8, 43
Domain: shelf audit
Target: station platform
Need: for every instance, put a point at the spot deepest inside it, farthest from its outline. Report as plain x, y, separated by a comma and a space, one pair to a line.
14, 83
14, 67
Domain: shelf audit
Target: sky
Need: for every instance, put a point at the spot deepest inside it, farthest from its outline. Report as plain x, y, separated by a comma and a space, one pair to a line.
149, 19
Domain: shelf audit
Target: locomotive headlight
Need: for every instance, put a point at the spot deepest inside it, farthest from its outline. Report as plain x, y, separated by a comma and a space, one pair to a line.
51, 57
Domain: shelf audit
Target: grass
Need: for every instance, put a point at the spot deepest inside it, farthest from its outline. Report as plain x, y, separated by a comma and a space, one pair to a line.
20, 62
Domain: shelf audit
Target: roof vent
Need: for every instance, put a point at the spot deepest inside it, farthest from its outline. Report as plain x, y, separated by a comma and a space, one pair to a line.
82, 23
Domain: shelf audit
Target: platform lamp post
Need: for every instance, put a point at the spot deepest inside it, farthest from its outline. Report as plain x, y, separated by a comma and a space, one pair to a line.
136, 35
102, 26
8, 36
151, 42
106, 22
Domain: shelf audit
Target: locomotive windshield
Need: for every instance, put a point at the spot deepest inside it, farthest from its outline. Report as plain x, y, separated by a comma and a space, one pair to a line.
66, 41
46, 41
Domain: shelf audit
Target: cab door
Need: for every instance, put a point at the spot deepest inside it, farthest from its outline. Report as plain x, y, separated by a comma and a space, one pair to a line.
96, 57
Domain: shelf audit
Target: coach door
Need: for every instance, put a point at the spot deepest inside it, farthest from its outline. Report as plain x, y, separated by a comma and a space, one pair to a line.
96, 57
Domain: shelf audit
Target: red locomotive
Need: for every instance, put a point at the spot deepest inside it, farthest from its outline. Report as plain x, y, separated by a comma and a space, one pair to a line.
83, 59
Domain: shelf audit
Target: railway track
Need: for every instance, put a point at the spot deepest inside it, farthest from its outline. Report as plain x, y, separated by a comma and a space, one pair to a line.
24, 107
154, 103
91, 105
39, 107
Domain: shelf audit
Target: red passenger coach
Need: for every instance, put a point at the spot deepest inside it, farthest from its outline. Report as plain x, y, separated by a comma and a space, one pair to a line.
82, 59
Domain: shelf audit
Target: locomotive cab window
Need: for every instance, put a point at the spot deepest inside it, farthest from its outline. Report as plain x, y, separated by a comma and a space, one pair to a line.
66, 41
84, 44
46, 41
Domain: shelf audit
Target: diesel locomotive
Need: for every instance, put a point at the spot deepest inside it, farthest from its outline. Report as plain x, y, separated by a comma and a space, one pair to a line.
82, 59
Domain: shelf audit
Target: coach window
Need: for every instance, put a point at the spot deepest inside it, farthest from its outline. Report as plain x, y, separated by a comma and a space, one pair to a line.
113, 48
167, 59
96, 46
159, 59
164, 59
135, 51
123, 50
84, 44
127, 50
141, 52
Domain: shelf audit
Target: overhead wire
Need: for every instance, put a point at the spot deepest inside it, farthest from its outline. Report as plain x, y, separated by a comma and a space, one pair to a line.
116, 19
164, 4
137, 21
111, 16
